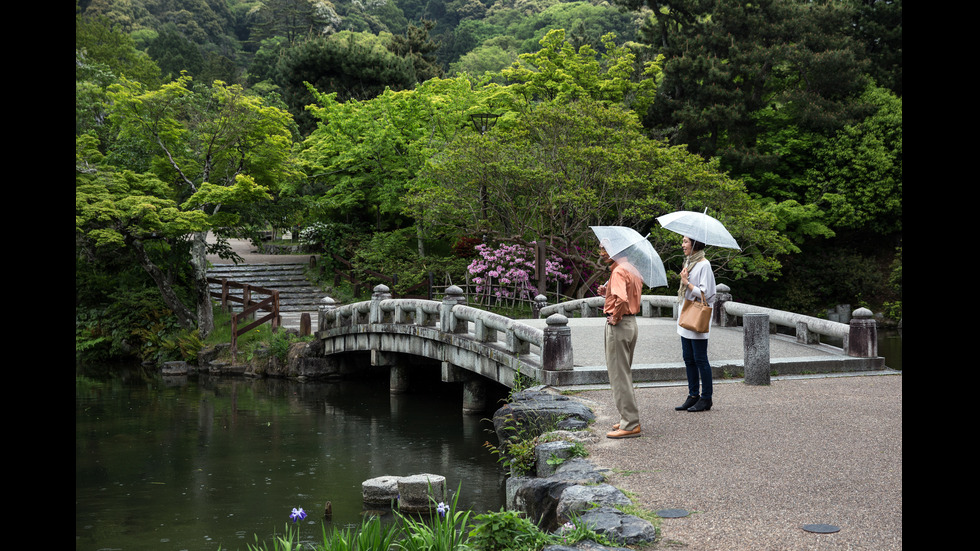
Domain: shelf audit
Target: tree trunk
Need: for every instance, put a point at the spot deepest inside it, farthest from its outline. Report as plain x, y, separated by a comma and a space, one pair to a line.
419, 238
184, 316
202, 296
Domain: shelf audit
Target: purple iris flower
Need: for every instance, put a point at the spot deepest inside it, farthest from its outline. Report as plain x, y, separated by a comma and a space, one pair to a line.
442, 509
297, 514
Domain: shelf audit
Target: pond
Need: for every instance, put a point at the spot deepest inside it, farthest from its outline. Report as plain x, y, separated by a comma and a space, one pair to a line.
890, 347
194, 464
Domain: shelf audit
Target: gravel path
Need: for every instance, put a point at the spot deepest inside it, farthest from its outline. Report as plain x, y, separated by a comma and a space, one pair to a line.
250, 255
764, 462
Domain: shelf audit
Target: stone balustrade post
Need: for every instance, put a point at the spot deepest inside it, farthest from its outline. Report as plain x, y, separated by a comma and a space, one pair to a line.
646, 309
422, 319
381, 292
587, 310
454, 295
862, 337
327, 305
556, 350
540, 302
804, 335
723, 294
756, 342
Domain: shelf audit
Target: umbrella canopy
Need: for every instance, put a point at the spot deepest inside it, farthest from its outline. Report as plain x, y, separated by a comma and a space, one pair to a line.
626, 243
699, 226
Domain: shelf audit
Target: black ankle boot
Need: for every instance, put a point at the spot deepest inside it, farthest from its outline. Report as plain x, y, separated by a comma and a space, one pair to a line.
691, 400
703, 404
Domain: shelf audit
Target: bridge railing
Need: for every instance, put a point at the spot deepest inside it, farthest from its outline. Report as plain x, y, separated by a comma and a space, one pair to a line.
487, 327
552, 345
591, 307
859, 337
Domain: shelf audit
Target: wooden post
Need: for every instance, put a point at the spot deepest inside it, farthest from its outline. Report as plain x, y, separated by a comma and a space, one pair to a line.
246, 296
276, 318
224, 294
234, 338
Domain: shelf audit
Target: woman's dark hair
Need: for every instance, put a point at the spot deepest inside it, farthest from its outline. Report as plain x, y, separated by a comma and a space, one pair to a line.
696, 245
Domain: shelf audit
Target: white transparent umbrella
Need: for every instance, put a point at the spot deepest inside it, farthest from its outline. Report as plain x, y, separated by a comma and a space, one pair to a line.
622, 242
699, 226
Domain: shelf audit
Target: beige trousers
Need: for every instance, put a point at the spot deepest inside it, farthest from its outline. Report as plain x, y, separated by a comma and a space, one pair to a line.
620, 343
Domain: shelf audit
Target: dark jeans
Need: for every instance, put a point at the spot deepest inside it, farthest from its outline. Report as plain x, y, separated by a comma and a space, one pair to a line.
698, 370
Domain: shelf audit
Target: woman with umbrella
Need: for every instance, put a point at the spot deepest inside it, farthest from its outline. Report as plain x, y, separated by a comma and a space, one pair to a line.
697, 281
697, 284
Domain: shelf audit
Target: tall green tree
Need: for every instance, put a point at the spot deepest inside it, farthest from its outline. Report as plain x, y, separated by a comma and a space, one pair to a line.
293, 20
220, 152
103, 53
417, 46
559, 72
878, 25
353, 65
726, 61
100, 42
120, 211
175, 53
563, 167
364, 154
858, 176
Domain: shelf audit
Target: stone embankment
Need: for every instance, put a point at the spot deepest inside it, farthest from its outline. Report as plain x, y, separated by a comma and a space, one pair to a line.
563, 487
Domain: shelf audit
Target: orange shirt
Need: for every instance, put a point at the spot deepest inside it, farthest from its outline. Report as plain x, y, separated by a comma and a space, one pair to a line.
623, 291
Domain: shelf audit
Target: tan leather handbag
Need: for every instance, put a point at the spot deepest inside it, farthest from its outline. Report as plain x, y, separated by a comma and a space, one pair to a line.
696, 315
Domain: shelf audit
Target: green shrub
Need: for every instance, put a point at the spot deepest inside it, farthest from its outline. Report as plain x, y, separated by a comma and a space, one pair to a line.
506, 531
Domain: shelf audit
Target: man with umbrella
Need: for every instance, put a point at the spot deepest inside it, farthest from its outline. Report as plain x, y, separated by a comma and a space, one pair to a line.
632, 260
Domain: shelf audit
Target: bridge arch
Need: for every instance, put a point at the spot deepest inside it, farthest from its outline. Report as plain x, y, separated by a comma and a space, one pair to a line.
471, 345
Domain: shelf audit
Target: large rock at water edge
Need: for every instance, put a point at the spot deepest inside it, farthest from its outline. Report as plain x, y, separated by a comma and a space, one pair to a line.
531, 413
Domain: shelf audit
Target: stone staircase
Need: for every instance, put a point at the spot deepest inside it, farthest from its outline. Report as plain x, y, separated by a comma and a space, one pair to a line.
296, 293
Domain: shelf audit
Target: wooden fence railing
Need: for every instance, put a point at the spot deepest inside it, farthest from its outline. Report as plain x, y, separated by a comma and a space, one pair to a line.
249, 308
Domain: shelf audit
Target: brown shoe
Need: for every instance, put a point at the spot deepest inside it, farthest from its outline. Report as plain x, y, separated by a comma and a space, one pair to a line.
624, 433
616, 426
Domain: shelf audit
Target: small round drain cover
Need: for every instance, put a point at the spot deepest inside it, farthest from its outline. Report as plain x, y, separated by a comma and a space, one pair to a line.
672, 513
821, 528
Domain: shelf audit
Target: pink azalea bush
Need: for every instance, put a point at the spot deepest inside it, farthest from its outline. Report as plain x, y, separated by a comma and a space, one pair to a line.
506, 272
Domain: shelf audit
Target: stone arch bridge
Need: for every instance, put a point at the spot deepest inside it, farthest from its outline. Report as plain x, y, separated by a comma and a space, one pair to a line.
475, 347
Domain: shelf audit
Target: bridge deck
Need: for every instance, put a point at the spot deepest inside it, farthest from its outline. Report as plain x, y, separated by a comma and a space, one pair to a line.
658, 352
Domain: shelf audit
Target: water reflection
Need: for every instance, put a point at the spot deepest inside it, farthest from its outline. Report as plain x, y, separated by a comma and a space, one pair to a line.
183, 464
890, 347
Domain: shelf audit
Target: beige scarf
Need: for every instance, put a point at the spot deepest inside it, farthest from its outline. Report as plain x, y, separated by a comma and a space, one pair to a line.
689, 262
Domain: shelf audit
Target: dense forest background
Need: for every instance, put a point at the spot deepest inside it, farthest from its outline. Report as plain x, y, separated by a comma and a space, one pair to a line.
347, 121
